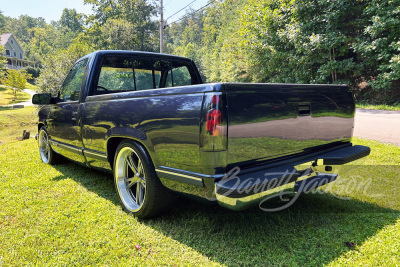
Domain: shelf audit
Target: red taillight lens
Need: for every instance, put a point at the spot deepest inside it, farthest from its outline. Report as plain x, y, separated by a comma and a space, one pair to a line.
212, 121
213, 134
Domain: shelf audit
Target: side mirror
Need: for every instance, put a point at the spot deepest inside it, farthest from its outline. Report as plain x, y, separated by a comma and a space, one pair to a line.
42, 99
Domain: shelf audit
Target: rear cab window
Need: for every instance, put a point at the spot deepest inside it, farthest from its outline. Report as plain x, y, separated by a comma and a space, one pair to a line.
125, 73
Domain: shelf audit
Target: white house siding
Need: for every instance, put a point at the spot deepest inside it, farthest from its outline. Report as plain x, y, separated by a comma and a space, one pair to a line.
13, 53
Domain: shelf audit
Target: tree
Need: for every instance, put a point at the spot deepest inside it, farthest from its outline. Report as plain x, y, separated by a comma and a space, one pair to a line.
2, 21
72, 20
2, 62
138, 13
57, 65
378, 46
118, 34
16, 80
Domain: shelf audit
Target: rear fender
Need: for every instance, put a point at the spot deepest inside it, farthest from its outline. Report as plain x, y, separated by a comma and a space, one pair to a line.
128, 133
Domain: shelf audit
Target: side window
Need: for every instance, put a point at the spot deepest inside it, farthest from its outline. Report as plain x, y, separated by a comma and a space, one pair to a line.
116, 75
181, 74
72, 85
143, 69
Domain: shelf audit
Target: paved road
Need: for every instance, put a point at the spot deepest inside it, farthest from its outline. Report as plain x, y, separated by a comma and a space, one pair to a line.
381, 125
29, 102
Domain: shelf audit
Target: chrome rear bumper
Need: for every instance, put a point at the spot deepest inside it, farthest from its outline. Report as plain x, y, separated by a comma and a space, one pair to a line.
238, 190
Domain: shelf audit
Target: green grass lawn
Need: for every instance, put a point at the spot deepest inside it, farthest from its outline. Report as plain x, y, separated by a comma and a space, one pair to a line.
379, 107
14, 121
30, 86
7, 96
70, 215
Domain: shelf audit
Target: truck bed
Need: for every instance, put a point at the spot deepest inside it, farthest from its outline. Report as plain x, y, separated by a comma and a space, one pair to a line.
267, 122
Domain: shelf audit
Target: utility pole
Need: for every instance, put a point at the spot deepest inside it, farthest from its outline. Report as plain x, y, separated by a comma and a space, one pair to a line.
161, 27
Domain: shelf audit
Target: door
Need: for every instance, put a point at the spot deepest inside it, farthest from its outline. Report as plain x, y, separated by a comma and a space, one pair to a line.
64, 125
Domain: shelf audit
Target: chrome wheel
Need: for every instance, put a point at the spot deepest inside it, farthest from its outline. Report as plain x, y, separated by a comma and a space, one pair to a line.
44, 146
130, 179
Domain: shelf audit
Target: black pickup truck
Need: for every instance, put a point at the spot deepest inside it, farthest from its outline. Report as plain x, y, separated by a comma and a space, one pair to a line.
150, 120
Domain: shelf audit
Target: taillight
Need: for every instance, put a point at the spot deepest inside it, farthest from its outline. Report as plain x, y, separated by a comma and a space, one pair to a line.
213, 135
213, 121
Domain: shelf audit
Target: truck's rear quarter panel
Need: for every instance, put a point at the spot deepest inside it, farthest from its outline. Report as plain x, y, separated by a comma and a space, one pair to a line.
270, 121
165, 121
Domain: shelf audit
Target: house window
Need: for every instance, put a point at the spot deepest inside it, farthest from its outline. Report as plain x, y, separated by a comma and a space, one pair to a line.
15, 54
12, 41
20, 55
8, 52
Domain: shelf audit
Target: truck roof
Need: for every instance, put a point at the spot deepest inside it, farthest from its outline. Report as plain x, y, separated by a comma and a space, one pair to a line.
136, 53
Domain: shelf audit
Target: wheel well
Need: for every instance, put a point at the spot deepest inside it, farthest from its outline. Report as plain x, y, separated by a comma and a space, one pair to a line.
112, 146
40, 125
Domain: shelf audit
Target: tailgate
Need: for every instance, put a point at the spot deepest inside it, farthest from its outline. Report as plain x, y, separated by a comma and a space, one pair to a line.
269, 122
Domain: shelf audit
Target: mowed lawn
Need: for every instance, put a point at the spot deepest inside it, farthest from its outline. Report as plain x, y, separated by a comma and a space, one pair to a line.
7, 96
70, 215
14, 121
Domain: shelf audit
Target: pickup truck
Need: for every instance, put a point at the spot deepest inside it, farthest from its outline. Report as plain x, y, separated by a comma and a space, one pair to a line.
149, 119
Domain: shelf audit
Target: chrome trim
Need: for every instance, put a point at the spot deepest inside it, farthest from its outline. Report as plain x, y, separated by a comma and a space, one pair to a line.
95, 155
66, 147
181, 175
188, 173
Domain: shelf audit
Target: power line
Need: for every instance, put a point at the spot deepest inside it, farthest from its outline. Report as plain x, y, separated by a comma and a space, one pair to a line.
201, 8
181, 9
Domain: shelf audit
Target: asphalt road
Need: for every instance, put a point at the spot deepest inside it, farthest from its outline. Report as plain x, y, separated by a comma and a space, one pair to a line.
381, 125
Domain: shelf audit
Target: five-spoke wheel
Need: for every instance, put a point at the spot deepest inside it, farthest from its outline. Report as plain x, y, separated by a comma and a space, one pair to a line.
47, 154
130, 179
136, 181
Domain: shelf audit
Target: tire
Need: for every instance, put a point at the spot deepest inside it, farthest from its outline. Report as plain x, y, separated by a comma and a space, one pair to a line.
136, 182
47, 154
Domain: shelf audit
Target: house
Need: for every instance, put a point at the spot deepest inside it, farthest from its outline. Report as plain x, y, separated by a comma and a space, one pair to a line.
13, 53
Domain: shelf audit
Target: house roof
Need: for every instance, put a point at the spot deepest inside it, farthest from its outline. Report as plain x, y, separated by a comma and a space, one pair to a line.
4, 38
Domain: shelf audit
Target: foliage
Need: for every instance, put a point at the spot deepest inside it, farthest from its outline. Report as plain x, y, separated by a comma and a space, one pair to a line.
39, 38
72, 20
2, 21
56, 66
127, 22
2, 61
291, 41
297, 41
118, 34
16, 80
34, 71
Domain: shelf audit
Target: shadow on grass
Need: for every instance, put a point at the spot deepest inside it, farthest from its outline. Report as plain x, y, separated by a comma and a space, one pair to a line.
311, 232
6, 108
